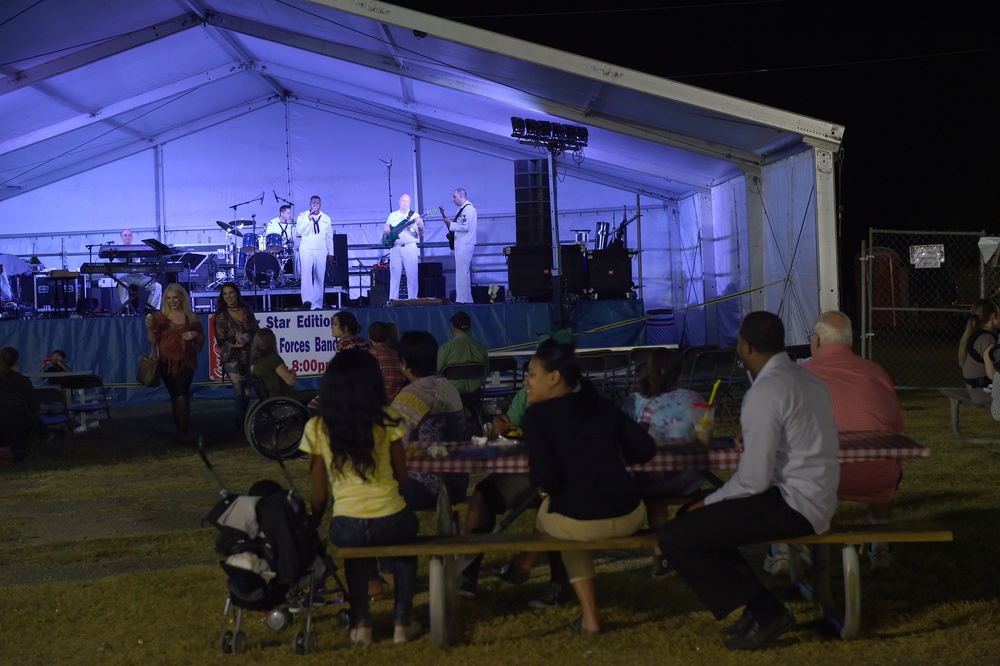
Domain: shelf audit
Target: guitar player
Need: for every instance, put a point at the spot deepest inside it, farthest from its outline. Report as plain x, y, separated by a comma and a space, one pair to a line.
404, 254
462, 238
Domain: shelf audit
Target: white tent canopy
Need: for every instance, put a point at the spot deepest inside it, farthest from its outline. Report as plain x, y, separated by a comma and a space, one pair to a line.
161, 115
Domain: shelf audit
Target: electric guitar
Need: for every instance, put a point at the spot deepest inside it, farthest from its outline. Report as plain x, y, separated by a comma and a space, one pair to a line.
451, 234
390, 237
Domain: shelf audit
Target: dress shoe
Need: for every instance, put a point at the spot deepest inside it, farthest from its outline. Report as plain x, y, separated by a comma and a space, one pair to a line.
757, 637
741, 625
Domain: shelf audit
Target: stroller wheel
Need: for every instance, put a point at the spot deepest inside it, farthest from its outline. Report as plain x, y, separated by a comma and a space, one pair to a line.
312, 644
239, 643
343, 618
299, 643
226, 642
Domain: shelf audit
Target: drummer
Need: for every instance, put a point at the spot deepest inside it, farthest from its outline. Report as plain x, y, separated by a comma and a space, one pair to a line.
281, 226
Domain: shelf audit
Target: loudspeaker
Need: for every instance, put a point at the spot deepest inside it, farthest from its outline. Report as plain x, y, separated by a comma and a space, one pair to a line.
336, 264
380, 277
378, 295
531, 202
610, 272
430, 269
431, 286
529, 269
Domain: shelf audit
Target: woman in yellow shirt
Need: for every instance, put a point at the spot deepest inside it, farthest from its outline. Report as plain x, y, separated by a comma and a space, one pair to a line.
356, 454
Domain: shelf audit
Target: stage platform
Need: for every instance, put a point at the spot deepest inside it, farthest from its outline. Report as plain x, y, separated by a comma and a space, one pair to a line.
111, 346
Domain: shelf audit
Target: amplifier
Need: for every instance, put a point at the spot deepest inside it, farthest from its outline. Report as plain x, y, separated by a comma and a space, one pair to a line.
380, 277
431, 286
430, 269
55, 292
378, 295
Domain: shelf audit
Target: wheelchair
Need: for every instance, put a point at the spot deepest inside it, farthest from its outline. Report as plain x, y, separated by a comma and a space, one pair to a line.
274, 426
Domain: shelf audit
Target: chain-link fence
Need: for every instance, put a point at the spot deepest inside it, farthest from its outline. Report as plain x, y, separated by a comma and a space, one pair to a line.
916, 288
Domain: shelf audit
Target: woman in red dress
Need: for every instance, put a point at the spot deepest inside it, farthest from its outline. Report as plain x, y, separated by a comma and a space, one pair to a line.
176, 331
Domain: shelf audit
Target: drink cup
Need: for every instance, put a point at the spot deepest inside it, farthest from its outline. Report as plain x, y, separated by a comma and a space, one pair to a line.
703, 418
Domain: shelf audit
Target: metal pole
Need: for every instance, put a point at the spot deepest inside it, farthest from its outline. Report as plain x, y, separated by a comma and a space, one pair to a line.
638, 242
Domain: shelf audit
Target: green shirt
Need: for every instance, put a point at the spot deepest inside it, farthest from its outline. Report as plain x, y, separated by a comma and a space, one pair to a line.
463, 349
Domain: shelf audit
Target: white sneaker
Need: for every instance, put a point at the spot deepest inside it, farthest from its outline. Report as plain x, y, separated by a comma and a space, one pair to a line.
405, 634
776, 561
361, 635
880, 557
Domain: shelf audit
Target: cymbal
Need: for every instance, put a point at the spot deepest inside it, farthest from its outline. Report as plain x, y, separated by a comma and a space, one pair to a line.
229, 226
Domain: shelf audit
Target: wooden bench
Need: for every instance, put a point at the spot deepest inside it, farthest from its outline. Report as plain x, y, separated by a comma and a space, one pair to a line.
958, 397
443, 571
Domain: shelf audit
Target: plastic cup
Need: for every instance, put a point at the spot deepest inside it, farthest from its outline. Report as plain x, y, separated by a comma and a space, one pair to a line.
703, 418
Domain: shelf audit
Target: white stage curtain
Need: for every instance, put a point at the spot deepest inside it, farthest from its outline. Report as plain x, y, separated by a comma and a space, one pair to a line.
788, 190
689, 231
732, 263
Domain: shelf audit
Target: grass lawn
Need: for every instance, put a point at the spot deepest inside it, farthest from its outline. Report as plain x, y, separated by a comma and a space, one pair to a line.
103, 560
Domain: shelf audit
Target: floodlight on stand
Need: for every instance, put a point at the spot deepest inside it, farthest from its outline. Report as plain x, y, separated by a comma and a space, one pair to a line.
544, 129
531, 128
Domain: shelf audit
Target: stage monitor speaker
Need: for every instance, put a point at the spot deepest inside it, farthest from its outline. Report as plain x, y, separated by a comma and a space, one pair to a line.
432, 286
431, 269
336, 264
611, 272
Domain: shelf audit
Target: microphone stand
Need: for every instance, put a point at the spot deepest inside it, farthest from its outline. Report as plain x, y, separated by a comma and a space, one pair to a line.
388, 167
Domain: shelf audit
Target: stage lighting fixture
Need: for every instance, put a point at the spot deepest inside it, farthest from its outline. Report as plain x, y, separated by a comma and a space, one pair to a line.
557, 137
517, 125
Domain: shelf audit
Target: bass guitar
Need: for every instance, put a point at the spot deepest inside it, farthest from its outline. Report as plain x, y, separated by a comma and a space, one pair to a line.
390, 237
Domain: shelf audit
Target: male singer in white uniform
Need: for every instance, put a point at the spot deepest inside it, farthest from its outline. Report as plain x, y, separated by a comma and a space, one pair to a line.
464, 228
316, 230
404, 253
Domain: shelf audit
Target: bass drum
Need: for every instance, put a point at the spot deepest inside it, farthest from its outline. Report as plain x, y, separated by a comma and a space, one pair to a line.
263, 269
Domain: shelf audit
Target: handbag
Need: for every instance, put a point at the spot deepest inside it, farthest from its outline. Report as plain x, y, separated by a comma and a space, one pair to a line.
148, 373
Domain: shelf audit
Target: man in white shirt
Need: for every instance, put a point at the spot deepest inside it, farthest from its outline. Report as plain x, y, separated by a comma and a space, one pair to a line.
282, 225
139, 282
404, 254
463, 226
785, 486
316, 230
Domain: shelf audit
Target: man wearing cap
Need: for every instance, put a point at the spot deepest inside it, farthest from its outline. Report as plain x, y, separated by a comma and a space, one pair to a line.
463, 348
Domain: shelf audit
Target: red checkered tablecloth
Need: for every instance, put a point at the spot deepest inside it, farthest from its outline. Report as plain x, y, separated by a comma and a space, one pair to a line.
671, 455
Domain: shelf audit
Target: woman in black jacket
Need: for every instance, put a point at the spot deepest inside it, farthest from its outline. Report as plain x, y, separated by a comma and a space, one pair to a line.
578, 447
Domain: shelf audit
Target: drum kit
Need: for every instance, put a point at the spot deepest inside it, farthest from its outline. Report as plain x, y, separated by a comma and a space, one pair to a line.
265, 261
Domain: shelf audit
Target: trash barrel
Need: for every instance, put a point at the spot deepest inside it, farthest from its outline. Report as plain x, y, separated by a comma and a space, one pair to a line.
660, 328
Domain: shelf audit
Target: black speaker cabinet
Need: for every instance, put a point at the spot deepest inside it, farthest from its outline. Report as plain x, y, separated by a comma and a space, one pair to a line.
378, 295
380, 277
611, 272
431, 286
531, 202
336, 265
431, 269
529, 269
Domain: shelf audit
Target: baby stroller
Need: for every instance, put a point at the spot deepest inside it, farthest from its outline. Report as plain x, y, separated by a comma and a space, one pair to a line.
275, 562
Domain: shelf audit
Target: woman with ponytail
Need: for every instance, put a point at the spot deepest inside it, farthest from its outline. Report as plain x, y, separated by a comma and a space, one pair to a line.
980, 333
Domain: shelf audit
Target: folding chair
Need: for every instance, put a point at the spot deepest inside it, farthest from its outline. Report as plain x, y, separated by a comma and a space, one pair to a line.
92, 396
54, 410
471, 401
692, 373
502, 365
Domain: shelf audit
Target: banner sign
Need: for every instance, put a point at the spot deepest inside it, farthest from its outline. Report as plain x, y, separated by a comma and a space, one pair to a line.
305, 343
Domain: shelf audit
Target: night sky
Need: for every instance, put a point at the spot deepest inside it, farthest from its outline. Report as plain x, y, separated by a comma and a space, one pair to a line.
914, 87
